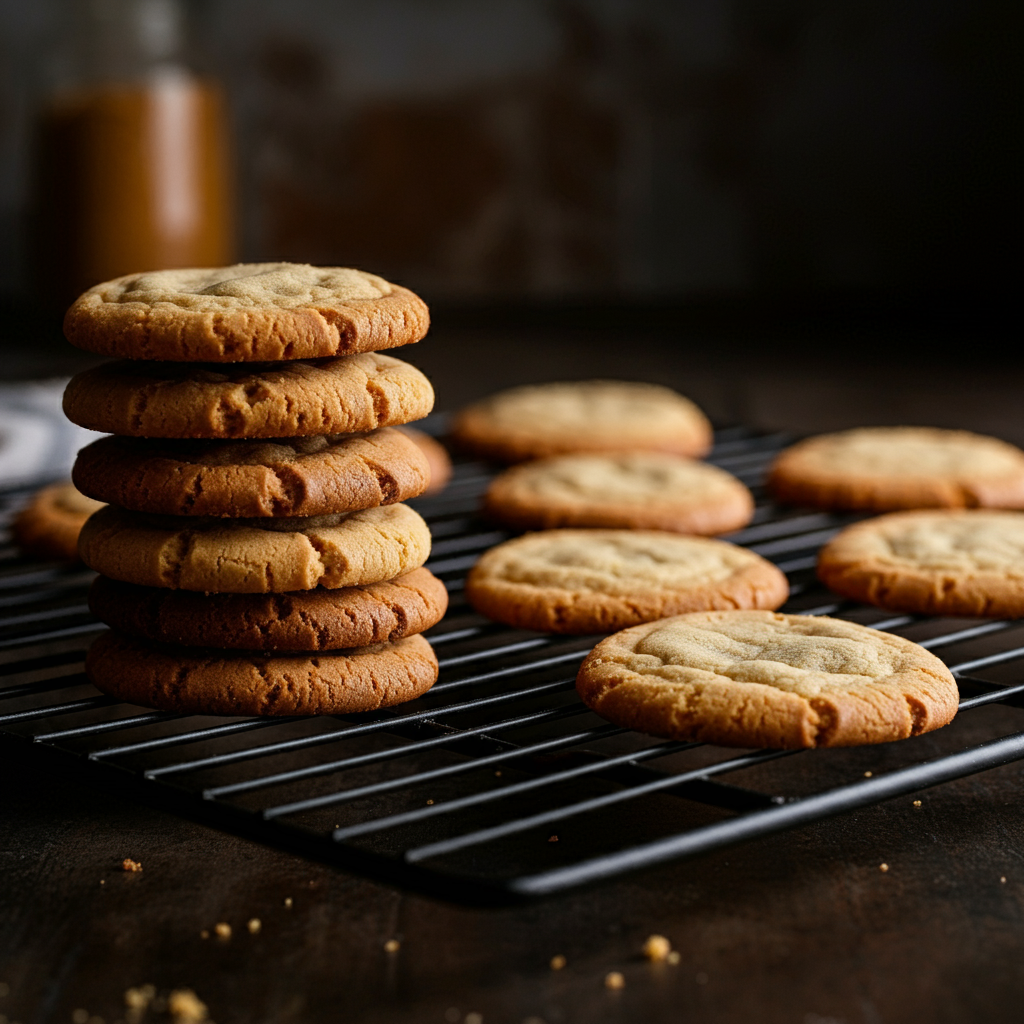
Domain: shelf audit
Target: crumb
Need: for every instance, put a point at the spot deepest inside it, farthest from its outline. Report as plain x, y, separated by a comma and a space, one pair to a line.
130, 865
79, 1016
204, 934
883, 867
557, 962
614, 979
103, 881
288, 902
430, 803
254, 925
553, 839
917, 803
657, 947
673, 957
701, 979
1002, 878
867, 775
139, 998
392, 946
223, 930
312, 884
497, 775
473, 1018
186, 1007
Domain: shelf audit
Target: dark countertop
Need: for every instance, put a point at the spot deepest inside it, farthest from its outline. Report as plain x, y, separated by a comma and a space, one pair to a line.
802, 927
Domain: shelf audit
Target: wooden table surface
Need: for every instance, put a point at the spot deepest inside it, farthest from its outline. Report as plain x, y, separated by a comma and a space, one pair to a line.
799, 928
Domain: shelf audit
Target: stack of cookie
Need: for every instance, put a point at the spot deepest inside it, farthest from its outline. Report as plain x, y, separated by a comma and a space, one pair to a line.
256, 557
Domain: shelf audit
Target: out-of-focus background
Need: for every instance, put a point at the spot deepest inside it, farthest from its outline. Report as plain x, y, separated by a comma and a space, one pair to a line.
763, 202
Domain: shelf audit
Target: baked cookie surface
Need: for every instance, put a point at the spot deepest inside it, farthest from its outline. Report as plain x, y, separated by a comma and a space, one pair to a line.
936, 562
305, 476
305, 620
889, 468
638, 490
539, 420
210, 682
255, 556
49, 525
763, 679
349, 394
247, 312
597, 581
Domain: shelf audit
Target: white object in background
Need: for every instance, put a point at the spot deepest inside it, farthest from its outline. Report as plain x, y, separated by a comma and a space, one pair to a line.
37, 442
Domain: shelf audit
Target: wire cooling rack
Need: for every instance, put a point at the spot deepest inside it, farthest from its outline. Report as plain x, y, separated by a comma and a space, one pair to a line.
498, 786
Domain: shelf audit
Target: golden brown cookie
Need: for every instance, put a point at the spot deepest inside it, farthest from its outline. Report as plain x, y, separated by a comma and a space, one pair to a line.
538, 420
436, 454
248, 312
638, 490
198, 681
597, 581
942, 562
49, 525
304, 476
883, 468
306, 620
322, 396
255, 556
763, 679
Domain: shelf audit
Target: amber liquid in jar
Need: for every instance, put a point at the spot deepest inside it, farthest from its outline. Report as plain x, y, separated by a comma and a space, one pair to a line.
131, 177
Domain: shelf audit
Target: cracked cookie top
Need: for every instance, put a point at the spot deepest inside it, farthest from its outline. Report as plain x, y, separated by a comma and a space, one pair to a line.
596, 581
323, 396
246, 312
764, 679
247, 557
303, 476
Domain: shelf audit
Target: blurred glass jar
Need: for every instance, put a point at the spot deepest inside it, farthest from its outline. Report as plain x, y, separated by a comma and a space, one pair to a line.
132, 162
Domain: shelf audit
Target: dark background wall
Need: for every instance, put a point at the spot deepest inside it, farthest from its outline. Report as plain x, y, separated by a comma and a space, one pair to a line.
595, 151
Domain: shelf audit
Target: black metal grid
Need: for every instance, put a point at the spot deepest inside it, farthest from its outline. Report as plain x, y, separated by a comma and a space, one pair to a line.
463, 793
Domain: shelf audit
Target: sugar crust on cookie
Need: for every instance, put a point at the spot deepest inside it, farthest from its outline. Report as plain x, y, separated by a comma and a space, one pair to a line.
211, 682
934, 562
539, 420
306, 476
764, 679
593, 581
255, 556
638, 490
889, 468
246, 312
305, 620
348, 394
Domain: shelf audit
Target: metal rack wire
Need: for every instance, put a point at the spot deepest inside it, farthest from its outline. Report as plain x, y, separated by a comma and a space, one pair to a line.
498, 786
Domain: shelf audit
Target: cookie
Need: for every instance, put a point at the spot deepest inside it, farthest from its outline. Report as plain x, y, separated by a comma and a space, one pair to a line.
539, 420
637, 490
888, 468
255, 556
597, 581
248, 312
304, 476
436, 455
943, 562
306, 620
763, 679
198, 681
49, 525
322, 396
